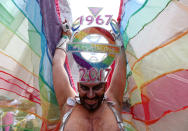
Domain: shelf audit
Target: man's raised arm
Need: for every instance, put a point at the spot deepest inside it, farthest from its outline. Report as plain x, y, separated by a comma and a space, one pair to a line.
61, 81
118, 82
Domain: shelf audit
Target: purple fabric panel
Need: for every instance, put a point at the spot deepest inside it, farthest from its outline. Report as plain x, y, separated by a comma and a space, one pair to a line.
52, 25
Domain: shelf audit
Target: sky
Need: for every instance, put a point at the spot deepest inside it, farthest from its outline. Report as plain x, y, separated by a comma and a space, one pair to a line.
80, 8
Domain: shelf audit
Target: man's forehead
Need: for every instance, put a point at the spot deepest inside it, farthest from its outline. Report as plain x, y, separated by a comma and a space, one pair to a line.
91, 84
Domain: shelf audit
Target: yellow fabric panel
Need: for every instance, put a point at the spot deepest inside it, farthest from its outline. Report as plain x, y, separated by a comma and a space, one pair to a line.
47, 112
167, 59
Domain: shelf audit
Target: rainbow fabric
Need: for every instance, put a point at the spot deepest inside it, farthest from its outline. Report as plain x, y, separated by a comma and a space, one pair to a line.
29, 31
20, 56
155, 33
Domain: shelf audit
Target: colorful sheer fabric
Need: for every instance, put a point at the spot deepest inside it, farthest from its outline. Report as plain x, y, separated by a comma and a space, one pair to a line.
156, 33
26, 63
20, 55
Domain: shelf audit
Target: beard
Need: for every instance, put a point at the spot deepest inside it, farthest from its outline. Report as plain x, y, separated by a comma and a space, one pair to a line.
91, 107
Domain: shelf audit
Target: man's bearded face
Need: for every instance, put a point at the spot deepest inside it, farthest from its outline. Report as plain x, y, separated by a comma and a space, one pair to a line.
91, 95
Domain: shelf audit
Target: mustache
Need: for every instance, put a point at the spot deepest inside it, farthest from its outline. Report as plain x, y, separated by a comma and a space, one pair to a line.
94, 98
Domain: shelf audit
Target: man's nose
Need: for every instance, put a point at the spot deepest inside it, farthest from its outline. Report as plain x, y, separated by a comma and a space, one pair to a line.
91, 94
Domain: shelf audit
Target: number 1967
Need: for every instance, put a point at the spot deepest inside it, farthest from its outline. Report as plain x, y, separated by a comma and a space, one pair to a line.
99, 20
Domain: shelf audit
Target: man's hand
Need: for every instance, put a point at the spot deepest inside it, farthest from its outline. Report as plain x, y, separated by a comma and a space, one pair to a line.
66, 29
66, 35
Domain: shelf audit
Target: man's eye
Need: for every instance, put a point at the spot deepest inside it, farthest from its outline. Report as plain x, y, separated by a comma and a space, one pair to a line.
84, 87
97, 87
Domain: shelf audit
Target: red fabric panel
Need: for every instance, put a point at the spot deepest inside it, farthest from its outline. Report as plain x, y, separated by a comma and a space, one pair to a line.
166, 94
15, 85
120, 12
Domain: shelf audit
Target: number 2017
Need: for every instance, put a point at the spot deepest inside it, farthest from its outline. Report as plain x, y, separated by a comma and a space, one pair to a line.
95, 73
99, 20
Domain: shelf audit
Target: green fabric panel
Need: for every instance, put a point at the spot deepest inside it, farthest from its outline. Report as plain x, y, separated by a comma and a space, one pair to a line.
13, 21
49, 96
34, 40
6, 35
53, 112
5, 16
46, 93
143, 17
125, 39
